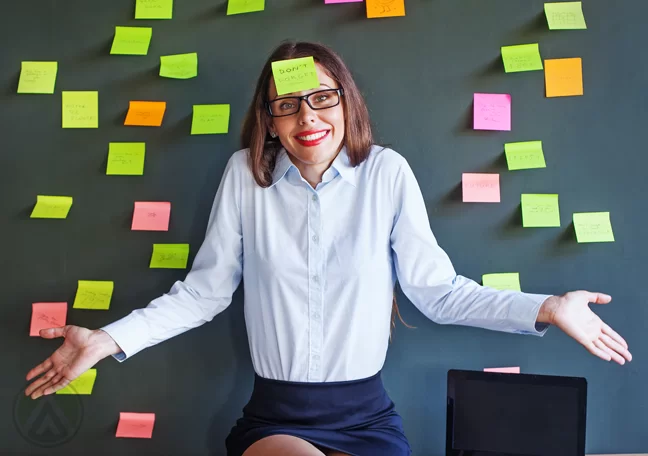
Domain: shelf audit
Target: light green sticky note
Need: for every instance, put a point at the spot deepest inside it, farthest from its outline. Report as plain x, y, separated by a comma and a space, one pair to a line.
502, 281
154, 9
294, 75
83, 384
131, 40
179, 66
210, 119
565, 16
37, 77
593, 227
126, 159
93, 294
244, 6
80, 109
522, 57
524, 155
56, 207
171, 256
540, 210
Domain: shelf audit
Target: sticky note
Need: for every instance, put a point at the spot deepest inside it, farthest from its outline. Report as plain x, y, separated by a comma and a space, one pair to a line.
294, 75
593, 227
80, 109
83, 384
154, 9
145, 113
179, 66
524, 155
502, 281
131, 40
151, 216
540, 210
37, 77
47, 315
565, 16
385, 8
210, 119
480, 188
126, 159
342, 1
93, 294
244, 6
56, 207
135, 425
492, 111
503, 370
564, 77
170, 256
523, 57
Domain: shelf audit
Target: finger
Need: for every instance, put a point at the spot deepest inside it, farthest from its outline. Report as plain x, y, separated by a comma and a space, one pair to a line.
39, 392
62, 383
594, 350
617, 347
42, 367
613, 355
51, 333
597, 298
39, 382
614, 335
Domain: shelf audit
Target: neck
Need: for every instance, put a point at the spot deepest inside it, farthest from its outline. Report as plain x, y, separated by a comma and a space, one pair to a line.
312, 173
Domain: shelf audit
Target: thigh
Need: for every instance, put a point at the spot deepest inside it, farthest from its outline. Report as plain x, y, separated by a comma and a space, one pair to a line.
282, 445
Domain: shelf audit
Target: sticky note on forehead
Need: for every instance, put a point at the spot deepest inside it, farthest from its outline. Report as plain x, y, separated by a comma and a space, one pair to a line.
294, 75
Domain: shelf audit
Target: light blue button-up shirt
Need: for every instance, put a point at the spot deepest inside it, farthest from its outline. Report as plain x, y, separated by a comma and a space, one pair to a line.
319, 268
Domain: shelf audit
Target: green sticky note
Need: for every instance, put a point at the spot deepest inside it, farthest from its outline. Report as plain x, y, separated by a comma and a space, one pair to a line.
244, 6
179, 66
593, 227
523, 57
503, 281
126, 159
131, 40
210, 119
83, 384
524, 155
171, 256
37, 77
93, 294
540, 210
56, 207
80, 109
294, 75
565, 16
154, 9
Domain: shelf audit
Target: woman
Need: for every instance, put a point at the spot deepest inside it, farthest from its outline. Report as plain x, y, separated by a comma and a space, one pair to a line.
320, 223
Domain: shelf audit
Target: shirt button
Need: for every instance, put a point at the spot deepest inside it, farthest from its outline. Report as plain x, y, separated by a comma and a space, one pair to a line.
315, 357
316, 316
315, 238
315, 278
314, 197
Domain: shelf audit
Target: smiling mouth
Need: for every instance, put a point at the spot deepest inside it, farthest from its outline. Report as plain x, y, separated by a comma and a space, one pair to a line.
312, 139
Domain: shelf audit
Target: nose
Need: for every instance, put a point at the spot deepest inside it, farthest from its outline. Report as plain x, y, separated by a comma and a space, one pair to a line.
306, 113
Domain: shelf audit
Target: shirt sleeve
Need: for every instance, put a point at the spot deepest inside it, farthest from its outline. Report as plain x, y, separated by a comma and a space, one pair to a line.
427, 276
206, 291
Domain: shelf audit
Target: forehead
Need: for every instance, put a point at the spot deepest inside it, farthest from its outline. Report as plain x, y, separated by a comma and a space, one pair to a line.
322, 76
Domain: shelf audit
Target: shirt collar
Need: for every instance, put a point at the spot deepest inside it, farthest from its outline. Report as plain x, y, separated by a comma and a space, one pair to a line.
341, 165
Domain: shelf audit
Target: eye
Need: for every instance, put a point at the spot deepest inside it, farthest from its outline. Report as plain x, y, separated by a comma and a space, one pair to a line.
321, 97
286, 105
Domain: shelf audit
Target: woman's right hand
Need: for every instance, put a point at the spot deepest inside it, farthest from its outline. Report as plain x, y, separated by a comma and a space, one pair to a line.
81, 349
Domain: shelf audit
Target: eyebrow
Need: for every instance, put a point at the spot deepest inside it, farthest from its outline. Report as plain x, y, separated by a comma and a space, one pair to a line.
293, 96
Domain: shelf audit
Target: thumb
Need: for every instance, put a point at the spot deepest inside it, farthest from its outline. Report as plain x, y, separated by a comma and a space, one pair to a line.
597, 298
52, 333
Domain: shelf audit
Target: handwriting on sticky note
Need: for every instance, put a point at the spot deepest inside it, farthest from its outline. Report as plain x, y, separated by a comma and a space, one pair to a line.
480, 188
56, 207
524, 155
47, 315
492, 111
523, 57
83, 384
93, 294
564, 77
244, 6
131, 40
385, 8
80, 109
37, 77
135, 425
503, 370
210, 119
565, 16
179, 66
154, 9
126, 159
502, 281
145, 113
151, 216
294, 75
540, 210
171, 256
593, 227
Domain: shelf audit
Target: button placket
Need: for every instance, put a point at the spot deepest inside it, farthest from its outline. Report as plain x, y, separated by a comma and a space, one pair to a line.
315, 265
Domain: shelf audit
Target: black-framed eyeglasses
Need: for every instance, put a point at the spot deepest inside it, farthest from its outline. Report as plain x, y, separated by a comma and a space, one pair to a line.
320, 99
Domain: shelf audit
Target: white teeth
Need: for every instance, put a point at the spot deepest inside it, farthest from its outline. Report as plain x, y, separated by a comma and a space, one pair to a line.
312, 137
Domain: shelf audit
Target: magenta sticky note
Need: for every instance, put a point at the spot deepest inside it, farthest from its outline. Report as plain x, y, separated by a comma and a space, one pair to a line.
342, 1
47, 315
492, 111
135, 425
151, 216
480, 188
503, 370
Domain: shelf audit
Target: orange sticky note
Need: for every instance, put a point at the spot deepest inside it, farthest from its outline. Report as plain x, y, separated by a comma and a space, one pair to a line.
47, 315
564, 77
135, 425
151, 216
385, 8
503, 370
480, 188
145, 113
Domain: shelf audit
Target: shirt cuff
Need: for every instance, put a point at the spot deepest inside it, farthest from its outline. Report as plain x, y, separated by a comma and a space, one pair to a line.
130, 333
528, 316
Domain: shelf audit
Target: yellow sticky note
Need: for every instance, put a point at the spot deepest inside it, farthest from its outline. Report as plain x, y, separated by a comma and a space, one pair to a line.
244, 6
56, 207
565, 16
80, 109
154, 9
385, 8
126, 159
210, 119
171, 256
83, 384
540, 210
564, 77
37, 77
523, 57
294, 75
179, 66
593, 227
131, 40
524, 155
93, 294
502, 281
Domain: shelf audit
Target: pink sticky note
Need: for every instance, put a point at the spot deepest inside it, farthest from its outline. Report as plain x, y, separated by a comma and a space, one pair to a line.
503, 370
47, 315
151, 216
136, 425
342, 1
480, 188
492, 111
